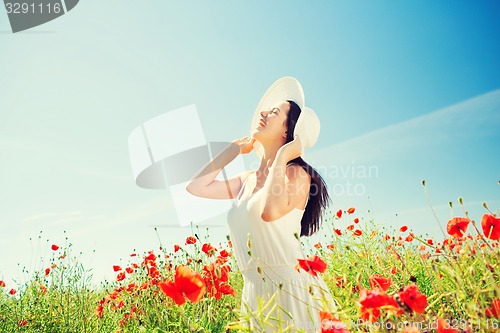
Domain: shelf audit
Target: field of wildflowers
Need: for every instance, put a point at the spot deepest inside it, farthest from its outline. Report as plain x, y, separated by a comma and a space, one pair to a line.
382, 280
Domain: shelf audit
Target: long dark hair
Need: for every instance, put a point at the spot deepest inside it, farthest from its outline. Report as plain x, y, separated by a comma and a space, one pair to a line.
318, 193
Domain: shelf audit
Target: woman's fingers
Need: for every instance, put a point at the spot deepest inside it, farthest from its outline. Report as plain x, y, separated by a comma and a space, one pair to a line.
245, 143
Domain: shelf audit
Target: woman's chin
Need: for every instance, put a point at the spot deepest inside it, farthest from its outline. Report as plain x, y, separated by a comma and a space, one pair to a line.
255, 133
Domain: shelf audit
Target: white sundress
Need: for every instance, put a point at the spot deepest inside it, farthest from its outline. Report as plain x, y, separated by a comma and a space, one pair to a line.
266, 254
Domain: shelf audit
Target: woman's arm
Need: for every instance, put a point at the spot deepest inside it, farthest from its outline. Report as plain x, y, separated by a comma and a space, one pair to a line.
204, 184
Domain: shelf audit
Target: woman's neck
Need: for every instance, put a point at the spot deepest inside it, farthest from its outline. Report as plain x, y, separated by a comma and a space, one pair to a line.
268, 157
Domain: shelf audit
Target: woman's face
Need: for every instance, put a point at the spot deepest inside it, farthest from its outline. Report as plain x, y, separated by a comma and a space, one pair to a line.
272, 122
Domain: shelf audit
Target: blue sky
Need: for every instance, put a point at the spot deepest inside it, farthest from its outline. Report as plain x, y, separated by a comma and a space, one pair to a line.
72, 90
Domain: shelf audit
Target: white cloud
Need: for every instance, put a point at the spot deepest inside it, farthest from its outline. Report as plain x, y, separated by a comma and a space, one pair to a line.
43, 217
473, 119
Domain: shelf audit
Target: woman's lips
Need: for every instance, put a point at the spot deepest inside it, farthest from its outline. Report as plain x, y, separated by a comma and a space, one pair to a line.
262, 123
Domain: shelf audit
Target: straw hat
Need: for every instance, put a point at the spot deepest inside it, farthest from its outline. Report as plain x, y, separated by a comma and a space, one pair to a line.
308, 124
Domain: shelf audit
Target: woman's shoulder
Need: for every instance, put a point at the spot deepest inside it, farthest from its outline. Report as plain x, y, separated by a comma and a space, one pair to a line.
297, 175
245, 174
295, 171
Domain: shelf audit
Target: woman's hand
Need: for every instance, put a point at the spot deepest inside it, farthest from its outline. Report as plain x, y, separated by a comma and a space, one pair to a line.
291, 150
245, 144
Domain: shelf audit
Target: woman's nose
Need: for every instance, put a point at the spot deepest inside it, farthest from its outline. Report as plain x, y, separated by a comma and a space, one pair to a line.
263, 114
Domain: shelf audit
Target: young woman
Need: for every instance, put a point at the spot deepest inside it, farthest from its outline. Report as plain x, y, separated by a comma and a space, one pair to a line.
273, 207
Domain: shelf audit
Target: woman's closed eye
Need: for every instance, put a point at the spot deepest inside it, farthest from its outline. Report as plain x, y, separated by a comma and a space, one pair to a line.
269, 112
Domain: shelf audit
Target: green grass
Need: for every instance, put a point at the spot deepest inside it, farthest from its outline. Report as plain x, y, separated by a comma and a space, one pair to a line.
459, 277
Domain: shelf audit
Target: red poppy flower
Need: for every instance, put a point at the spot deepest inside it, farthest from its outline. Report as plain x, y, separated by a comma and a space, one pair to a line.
331, 324
369, 314
350, 227
339, 213
494, 309
208, 249
356, 220
54, 247
120, 276
176, 248
190, 240
224, 254
154, 272
376, 298
430, 241
99, 310
379, 281
444, 326
226, 290
387, 237
216, 278
457, 226
116, 268
312, 265
357, 232
317, 245
410, 237
338, 232
2, 284
330, 246
47, 271
22, 323
187, 284
150, 257
491, 226
403, 228
129, 270
12, 291
394, 270
412, 297
351, 210
372, 300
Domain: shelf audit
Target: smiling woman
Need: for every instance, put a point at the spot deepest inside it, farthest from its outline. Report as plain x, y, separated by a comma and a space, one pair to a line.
274, 206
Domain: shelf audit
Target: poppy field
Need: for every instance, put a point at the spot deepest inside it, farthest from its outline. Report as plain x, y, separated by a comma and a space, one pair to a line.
382, 280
